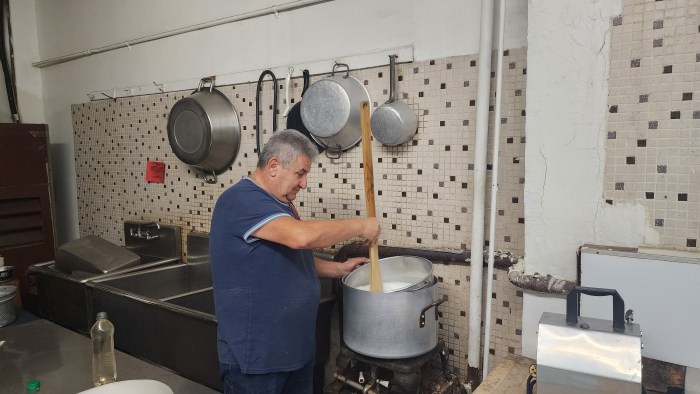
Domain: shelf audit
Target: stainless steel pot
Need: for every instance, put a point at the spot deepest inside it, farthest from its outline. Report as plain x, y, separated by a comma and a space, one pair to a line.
330, 111
399, 273
204, 131
391, 325
394, 123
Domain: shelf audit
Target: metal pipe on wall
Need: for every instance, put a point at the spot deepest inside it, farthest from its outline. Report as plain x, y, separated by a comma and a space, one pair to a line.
494, 186
480, 153
272, 10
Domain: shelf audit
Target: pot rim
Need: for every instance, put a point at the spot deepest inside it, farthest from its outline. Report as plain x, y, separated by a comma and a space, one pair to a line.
418, 284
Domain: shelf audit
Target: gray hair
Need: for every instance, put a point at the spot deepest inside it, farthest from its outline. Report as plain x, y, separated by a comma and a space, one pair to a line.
286, 145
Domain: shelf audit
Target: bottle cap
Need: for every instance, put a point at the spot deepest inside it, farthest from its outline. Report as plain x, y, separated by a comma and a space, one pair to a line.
33, 385
102, 316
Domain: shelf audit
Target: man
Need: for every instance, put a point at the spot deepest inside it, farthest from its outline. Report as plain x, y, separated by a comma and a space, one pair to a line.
266, 287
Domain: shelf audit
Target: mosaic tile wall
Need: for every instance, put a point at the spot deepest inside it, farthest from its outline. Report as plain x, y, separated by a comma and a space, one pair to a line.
424, 194
506, 314
653, 141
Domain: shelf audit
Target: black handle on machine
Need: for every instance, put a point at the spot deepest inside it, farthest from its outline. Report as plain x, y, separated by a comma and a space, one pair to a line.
257, 106
572, 304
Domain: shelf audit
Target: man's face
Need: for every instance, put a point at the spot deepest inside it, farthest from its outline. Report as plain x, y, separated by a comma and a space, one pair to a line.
290, 180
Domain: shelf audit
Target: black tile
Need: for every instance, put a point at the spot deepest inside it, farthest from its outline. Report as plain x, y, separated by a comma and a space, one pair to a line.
691, 243
682, 196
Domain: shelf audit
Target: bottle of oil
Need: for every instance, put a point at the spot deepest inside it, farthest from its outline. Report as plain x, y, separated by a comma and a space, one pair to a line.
104, 367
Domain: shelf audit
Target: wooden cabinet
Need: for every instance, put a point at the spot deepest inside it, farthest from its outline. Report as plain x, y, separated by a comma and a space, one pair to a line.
26, 216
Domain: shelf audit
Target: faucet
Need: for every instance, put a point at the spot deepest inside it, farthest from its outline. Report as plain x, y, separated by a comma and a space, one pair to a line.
138, 232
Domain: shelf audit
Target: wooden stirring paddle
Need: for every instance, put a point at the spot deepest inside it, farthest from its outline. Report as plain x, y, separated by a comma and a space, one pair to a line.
375, 276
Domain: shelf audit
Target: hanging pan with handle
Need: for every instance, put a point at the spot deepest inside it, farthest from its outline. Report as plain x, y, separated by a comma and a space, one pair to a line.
204, 130
294, 116
394, 123
330, 111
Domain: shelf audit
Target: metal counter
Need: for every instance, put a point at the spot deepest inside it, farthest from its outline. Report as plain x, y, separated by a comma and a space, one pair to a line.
62, 360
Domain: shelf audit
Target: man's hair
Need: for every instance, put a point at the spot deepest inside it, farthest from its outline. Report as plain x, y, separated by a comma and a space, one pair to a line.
286, 145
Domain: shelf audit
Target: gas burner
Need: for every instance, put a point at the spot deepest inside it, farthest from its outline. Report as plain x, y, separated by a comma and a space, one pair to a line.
362, 374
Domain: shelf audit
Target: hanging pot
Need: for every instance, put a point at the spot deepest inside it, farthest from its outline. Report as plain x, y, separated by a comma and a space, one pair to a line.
294, 115
204, 131
394, 123
330, 111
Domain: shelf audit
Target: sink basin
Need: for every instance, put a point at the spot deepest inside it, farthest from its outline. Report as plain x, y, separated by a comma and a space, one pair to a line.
139, 386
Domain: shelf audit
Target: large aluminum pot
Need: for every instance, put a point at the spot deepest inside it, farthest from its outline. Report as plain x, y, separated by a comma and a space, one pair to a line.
391, 325
330, 111
398, 273
204, 131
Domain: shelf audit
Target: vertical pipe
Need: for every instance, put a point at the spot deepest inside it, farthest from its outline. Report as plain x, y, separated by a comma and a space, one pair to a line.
480, 152
494, 186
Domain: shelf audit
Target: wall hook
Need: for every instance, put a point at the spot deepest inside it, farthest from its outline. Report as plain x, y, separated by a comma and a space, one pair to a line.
91, 96
290, 71
160, 86
113, 96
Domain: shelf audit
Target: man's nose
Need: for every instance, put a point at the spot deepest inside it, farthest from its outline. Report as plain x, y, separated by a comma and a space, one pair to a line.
302, 184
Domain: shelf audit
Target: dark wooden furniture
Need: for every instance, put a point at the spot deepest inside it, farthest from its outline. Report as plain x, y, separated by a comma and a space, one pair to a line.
26, 216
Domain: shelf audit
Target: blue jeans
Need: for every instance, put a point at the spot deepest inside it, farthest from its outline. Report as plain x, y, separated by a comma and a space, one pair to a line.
294, 382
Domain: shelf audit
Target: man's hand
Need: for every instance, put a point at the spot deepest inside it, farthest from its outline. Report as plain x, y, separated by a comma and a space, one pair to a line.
371, 230
350, 265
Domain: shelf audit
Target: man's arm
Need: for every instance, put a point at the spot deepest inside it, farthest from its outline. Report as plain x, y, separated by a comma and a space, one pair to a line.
331, 269
310, 234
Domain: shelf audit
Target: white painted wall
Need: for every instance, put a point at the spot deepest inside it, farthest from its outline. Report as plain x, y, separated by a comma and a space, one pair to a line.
334, 29
567, 88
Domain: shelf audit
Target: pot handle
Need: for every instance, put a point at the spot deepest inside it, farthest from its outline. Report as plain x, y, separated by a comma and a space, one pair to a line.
347, 69
422, 312
209, 177
334, 151
210, 80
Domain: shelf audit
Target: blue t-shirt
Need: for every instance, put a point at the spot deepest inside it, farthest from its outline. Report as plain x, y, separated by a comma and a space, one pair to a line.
266, 294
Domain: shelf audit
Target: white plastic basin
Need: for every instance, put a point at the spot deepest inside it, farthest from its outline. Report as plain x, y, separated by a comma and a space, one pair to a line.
138, 386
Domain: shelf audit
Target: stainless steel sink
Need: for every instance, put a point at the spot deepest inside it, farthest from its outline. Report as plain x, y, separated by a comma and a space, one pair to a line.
65, 299
150, 324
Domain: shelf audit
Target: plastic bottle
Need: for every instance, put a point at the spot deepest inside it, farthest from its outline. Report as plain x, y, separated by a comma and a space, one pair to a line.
104, 367
33, 386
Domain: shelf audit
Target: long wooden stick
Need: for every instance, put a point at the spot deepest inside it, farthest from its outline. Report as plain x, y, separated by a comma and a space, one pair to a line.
375, 275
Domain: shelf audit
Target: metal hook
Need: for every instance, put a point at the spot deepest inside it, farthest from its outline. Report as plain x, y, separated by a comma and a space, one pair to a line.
290, 71
91, 96
160, 86
127, 45
113, 96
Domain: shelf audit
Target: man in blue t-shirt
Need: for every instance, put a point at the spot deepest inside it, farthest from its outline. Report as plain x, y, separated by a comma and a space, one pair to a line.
266, 287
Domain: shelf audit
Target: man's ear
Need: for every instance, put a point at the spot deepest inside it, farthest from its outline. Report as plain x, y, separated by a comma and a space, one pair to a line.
273, 165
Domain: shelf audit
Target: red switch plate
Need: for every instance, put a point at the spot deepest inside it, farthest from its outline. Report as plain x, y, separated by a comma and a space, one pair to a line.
155, 171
